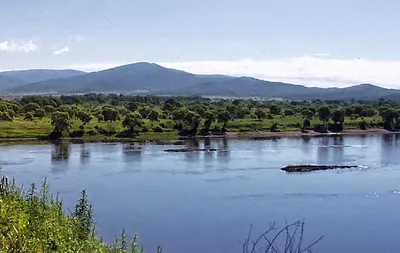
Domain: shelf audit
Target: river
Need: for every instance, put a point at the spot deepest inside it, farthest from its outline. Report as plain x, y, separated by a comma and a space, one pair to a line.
207, 201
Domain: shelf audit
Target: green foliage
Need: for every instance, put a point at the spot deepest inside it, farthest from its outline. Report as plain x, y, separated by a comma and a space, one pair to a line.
133, 121
223, 117
100, 117
324, 114
28, 116
306, 123
31, 107
274, 109
338, 117
39, 113
153, 115
289, 112
4, 116
61, 122
84, 117
35, 222
260, 113
110, 114
49, 108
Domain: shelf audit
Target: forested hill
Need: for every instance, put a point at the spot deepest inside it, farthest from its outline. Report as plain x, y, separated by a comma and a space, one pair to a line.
148, 78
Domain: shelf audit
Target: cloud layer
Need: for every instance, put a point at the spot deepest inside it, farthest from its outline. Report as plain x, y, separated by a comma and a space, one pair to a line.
307, 70
18, 46
64, 50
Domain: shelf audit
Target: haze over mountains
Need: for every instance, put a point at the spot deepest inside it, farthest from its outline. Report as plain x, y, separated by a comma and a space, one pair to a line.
149, 78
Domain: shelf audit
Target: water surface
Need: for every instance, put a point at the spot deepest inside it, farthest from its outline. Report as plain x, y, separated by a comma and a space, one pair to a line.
206, 202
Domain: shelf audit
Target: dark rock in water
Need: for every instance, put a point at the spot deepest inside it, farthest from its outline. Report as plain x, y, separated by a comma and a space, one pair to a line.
309, 168
194, 150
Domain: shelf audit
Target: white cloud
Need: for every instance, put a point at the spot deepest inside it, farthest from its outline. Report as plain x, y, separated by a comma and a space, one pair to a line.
64, 50
18, 46
306, 70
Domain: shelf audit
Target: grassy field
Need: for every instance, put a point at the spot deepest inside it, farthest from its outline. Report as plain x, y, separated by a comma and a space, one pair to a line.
40, 128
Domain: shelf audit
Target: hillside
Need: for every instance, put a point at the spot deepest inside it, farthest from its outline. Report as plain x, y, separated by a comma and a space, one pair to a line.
148, 78
39, 75
7, 82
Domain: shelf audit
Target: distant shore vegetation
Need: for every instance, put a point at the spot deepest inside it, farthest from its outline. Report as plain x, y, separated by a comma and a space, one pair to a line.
101, 116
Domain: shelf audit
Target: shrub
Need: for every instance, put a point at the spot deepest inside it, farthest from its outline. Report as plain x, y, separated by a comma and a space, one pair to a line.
92, 132
274, 127
39, 113
5, 117
363, 125
28, 116
158, 129
107, 130
76, 133
100, 117
11, 113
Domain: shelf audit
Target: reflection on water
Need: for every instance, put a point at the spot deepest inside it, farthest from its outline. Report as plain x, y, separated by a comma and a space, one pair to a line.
180, 200
60, 151
84, 153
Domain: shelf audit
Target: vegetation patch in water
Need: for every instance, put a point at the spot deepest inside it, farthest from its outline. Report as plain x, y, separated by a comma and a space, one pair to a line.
309, 168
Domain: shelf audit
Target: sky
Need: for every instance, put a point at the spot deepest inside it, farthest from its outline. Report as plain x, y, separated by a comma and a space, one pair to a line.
320, 43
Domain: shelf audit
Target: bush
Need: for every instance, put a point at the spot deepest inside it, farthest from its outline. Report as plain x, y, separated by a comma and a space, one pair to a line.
36, 221
100, 117
363, 125
5, 117
11, 113
145, 129
28, 116
108, 130
158, 129
39, 113
274, 127
92, 132
320, 129
76, 134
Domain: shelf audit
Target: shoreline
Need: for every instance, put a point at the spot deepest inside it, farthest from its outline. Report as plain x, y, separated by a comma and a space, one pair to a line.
228, 135
256, 135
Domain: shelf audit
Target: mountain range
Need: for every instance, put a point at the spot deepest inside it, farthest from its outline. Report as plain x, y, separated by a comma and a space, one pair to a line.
150, 78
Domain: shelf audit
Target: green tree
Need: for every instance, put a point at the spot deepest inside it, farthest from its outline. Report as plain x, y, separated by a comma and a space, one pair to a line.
110, 114
61, 122
223, 117
260, 114
274, 109
154, 115
349, 111
338, 117
306, 123
133, 121
209, 119
84, 117
39, 113
144, 111
324, 114
288, 112
49, 108
307, 113
28, 116
31, 107
5, 117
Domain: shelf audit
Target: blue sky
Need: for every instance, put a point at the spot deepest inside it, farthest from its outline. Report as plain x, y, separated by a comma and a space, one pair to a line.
313, 42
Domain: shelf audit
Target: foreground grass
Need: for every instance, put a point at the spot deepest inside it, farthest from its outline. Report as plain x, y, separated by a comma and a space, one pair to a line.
35, 222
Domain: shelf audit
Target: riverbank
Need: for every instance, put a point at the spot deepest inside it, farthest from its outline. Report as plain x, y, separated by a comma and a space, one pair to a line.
293, 134
150, 137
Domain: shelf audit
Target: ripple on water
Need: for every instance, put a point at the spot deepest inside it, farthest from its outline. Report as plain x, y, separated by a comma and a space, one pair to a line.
21, 161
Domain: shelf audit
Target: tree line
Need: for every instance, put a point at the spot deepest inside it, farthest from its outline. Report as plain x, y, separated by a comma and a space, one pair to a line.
194, 115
